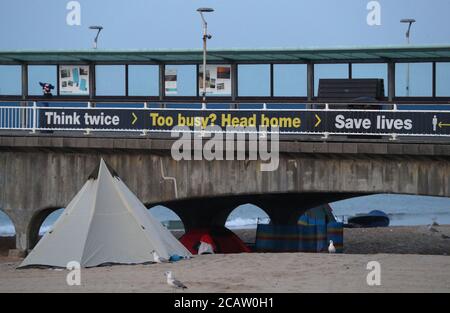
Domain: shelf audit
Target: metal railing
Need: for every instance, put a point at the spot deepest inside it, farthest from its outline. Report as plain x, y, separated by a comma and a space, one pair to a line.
18, 118
24, 116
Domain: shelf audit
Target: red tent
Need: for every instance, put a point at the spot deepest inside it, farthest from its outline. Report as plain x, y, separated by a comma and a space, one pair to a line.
224, 240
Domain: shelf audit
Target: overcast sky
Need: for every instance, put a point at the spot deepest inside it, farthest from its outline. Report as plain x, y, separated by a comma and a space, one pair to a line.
132, 24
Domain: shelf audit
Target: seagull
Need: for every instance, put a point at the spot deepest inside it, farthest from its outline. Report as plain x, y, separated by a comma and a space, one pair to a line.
157, 258
331, 248
432, 229
172, 282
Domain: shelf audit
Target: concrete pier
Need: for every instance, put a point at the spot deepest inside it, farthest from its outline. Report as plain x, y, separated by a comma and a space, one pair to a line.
41, 174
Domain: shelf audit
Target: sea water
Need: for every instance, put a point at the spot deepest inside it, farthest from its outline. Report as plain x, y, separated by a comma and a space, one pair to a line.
403, 211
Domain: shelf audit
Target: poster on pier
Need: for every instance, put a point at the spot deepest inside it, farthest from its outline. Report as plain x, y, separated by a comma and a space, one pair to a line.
74, 80
170, 82
218, 80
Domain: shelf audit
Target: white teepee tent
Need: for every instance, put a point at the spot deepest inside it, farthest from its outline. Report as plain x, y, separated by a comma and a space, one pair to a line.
104, 224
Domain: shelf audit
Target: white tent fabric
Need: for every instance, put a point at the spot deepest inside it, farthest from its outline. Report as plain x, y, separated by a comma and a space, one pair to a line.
104, 223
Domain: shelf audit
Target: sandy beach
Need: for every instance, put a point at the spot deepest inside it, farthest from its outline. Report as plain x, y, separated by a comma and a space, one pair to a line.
412, 259
293, 272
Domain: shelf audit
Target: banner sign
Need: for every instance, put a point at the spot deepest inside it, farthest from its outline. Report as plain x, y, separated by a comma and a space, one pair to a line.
218, 80
301, 121
74, 80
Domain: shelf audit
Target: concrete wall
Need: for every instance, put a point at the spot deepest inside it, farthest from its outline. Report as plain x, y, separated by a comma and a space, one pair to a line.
35, 180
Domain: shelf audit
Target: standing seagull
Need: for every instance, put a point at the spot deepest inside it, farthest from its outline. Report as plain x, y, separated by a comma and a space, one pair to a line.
172, 282
157, 258
331, 248
432, 229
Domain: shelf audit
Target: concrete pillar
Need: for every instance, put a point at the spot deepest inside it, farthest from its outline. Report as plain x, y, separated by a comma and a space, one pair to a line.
21, 222
27, 225
162, 83
22, 242
391, 81
310, 82
24, 81
203, 213
203, 217
234, 83
24, 103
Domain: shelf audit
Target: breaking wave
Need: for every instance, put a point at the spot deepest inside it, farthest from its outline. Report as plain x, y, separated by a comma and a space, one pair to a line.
240, 222
7, 231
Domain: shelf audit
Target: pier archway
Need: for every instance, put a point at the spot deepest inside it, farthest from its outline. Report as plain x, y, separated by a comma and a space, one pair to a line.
247, 215
7, 233
7, 227
168, 218
243, 221
42, 222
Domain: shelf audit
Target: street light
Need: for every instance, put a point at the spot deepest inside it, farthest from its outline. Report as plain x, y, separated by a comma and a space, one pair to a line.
206, 36
408, 21
98, 29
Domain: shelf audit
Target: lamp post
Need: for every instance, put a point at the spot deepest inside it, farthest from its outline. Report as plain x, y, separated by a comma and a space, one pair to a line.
408, 21
98, 29
206, 36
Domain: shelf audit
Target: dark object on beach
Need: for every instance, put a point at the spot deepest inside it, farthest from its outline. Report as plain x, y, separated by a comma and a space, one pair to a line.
372, 219
348, 225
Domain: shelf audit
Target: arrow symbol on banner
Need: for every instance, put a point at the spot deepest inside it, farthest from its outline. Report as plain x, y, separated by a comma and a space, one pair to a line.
135, 118
318, 121
443, 125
